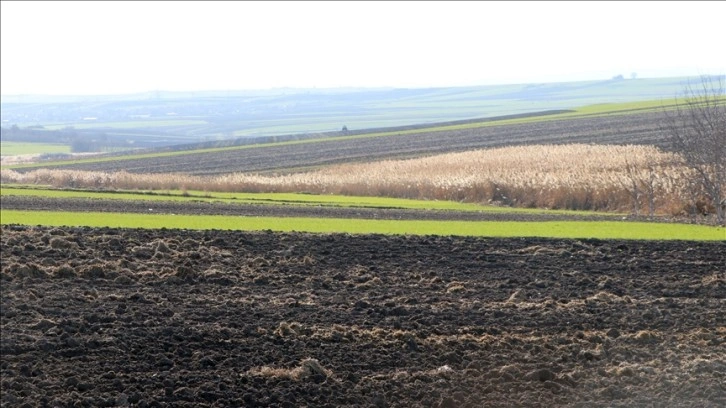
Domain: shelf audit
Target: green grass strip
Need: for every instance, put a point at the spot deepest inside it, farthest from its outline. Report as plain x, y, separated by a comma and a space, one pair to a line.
550, 229
275, 199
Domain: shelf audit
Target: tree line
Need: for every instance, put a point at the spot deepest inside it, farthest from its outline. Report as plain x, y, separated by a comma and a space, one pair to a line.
79, 141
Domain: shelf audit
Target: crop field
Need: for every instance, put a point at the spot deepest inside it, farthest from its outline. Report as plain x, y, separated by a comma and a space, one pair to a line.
118, 317
641, 128
128, 124
358, 223
32, 205
188, 198
145, 280
326, 213
22, 148
571, 176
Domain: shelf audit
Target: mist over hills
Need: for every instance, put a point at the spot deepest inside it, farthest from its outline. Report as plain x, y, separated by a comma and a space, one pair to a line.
163, 118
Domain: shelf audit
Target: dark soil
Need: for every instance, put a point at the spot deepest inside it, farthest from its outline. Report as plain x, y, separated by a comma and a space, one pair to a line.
122, 317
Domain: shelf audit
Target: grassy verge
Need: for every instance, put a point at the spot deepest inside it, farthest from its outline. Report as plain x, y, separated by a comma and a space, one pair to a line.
565, 229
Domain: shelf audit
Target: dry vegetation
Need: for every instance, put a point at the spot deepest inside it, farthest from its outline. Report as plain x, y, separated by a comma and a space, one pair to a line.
308, 367
575, 176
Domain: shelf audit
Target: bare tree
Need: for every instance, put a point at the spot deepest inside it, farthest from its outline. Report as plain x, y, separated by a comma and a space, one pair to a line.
697, 130
643, 181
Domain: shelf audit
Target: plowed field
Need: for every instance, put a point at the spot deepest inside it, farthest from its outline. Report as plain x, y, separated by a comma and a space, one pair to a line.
643, 128
152, 318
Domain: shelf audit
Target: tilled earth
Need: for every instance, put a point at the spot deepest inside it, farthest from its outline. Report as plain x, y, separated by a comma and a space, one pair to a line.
150, 318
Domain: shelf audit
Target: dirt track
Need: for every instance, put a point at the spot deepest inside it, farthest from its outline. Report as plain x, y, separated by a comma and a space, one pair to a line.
112, 317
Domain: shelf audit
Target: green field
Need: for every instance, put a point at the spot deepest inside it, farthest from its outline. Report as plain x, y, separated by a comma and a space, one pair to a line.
135, 124
554, 229
274, 199
17, 148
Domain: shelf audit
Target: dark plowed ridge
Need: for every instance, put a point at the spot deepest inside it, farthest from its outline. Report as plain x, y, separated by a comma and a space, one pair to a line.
120, 317
268, 210
609, 129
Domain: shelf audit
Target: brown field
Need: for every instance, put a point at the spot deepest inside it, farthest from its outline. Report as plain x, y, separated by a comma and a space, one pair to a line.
152, 318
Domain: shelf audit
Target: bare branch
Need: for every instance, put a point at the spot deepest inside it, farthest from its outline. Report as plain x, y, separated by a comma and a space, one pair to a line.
697, 128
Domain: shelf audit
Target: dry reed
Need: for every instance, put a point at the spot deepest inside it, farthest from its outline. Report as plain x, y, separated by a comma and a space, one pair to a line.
574, 176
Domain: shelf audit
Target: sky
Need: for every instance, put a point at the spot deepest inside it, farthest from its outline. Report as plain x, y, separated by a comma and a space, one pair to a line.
103, 47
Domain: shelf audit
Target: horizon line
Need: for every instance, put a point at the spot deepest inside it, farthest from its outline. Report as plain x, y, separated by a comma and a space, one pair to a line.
342, 87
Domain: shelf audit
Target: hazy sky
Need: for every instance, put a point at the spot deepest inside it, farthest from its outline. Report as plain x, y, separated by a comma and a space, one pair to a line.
135, 46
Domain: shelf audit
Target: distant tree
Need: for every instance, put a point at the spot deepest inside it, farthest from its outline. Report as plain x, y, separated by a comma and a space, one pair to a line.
82, 145
697, 131
618, 77
345, 129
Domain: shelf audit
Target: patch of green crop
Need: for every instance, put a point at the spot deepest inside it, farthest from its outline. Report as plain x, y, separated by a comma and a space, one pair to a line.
275, 199
553, 229
17, 148
630, 107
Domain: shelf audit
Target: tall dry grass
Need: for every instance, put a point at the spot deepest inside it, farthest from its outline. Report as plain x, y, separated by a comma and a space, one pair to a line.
575, 176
